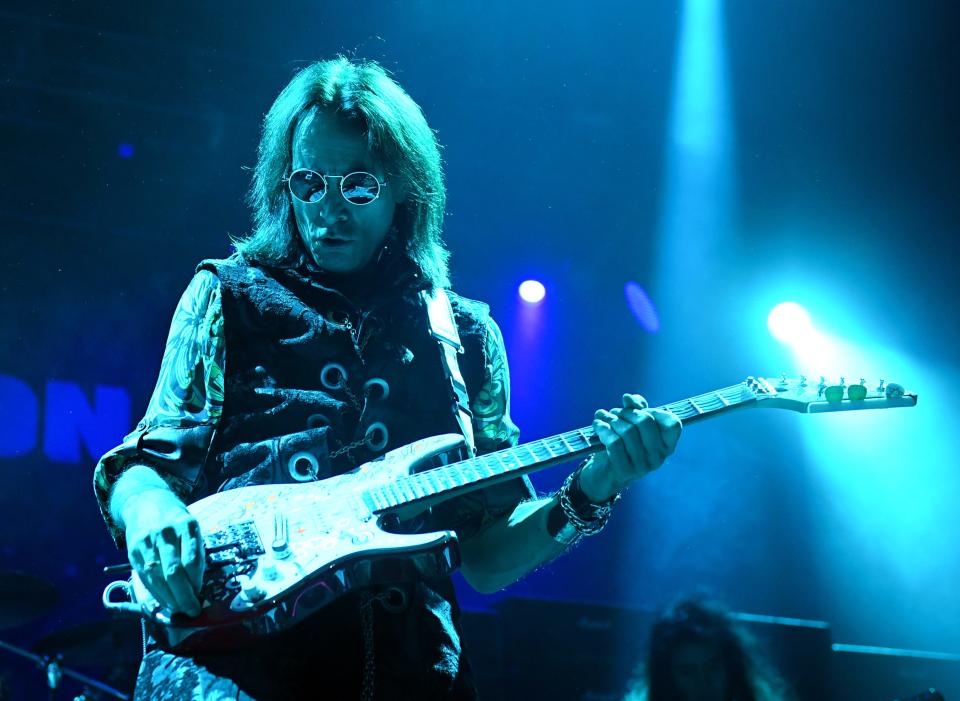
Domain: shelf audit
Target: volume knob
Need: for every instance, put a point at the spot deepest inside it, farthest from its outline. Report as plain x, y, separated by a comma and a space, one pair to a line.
268, 568
281, 536
251, 591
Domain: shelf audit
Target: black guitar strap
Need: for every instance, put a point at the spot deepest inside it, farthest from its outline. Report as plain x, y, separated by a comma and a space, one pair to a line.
443, 328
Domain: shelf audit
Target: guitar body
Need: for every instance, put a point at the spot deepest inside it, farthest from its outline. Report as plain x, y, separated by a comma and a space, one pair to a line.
276, 554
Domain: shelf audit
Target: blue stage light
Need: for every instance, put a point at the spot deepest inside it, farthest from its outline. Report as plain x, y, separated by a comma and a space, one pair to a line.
125, 150
532, 292
642, 307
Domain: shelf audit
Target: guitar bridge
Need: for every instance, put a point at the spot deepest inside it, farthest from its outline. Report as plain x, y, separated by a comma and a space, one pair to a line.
238, 543
230, 553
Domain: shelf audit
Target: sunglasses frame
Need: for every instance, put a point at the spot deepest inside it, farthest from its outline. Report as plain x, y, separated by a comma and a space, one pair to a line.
326, 186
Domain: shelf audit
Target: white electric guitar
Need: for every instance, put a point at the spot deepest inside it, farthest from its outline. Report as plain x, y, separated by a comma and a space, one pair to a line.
276, 554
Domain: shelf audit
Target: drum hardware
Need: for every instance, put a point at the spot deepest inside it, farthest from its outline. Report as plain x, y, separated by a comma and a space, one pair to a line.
55, 673
24, 598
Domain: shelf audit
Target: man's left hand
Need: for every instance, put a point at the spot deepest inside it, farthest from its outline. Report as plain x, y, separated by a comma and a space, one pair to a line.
636, 441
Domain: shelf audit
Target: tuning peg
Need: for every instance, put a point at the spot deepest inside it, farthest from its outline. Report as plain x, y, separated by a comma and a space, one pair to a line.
822, 386
894, 391
843, 382
833, 393
783, 384
803, 380
880, 387
857, 392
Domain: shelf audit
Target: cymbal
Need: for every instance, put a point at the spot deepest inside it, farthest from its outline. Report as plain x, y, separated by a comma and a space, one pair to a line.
24, 597
105, 643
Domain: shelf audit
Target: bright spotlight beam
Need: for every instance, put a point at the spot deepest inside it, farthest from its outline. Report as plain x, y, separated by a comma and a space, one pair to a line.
790, 323
532, 291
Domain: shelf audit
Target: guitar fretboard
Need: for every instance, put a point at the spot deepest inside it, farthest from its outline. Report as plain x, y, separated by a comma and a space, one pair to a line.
448, 481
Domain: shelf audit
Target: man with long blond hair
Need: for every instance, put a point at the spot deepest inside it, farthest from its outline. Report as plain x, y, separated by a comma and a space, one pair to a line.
313, 339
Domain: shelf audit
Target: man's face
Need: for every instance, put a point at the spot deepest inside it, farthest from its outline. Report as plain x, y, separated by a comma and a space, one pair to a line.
341, 237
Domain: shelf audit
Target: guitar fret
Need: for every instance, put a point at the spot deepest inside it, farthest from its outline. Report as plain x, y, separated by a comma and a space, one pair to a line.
528, 448
415, 488
484, 467
463, 474
468, 473
394, 492
414, 483
538, 449
703, 404
405, 492
581, 433
425, 484
715, 401
558, 448
422, 485
447, 478
508, 460
384, 497
373, 501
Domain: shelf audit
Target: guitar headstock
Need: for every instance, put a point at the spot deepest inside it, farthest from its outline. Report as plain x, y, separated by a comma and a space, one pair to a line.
821, 395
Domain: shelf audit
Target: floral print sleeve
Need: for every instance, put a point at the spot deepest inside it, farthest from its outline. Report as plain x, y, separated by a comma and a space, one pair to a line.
175, 433
493, 430
492, 425
190, 388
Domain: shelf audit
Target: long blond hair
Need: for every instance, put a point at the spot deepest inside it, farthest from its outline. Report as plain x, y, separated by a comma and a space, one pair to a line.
398, 135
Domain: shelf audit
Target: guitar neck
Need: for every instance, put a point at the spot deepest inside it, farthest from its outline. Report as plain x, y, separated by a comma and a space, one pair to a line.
441, 483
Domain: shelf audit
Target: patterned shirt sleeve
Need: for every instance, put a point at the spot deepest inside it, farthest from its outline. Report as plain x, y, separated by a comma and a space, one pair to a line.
493, 430
177, 429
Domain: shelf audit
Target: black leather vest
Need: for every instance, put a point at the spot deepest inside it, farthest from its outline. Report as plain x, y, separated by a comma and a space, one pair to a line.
307, 371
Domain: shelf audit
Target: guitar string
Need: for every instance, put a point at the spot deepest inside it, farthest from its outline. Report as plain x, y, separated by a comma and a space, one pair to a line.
419, 484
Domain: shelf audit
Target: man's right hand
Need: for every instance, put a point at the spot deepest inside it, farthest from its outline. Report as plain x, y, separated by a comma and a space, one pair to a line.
165, 548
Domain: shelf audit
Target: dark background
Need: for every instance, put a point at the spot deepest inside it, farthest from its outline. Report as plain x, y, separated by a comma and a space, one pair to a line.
126, 129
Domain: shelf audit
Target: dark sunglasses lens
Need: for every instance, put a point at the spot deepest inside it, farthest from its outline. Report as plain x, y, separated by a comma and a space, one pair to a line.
307, 186
360, 188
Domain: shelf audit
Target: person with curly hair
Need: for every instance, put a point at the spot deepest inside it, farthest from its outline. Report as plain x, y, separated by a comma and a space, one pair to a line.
698, 652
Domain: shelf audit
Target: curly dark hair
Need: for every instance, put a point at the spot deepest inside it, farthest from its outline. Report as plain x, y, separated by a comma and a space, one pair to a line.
698, 620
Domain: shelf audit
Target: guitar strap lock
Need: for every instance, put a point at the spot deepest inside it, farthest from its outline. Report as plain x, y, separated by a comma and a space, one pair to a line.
443, 328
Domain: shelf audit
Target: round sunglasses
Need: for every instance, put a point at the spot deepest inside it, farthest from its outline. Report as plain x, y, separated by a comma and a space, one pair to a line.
359, 188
